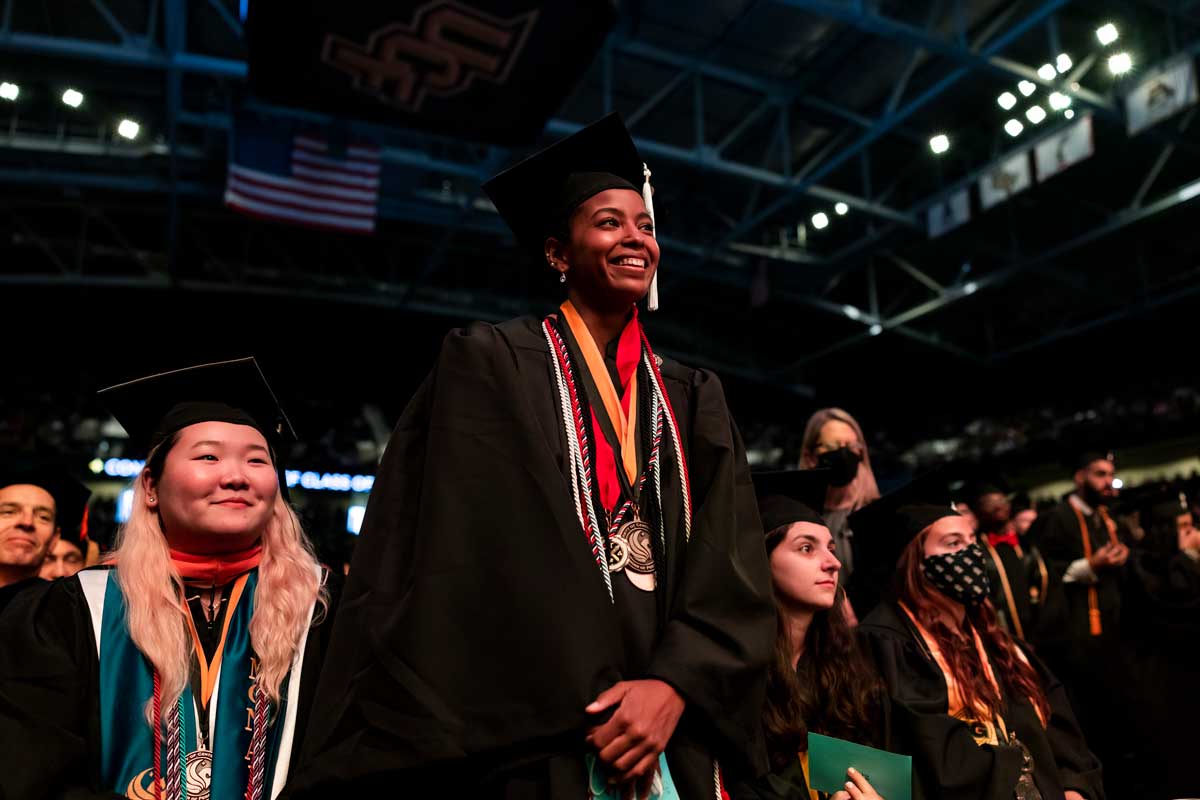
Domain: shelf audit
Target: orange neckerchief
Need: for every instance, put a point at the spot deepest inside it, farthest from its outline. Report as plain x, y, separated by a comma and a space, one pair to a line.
1093, 595
209, 671
216, 569
621, 410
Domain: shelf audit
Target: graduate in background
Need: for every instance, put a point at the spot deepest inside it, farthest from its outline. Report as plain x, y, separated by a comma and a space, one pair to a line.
183, 667
39, 505
819, 681
981, 716
560, 578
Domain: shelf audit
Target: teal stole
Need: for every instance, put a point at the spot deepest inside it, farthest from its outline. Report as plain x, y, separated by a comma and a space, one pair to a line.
127, 684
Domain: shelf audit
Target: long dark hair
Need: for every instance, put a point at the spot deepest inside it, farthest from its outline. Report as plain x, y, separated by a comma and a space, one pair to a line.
833, 690
1014, 673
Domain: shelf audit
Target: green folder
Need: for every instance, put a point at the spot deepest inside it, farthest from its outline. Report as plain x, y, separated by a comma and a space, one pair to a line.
829, 758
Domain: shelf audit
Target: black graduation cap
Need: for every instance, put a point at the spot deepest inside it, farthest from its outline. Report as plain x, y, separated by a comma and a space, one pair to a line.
883, 529
1084, 460
70, 495
792, 495
537, 196
156, 406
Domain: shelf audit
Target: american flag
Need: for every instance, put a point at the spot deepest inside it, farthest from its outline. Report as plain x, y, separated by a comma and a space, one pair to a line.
318, 185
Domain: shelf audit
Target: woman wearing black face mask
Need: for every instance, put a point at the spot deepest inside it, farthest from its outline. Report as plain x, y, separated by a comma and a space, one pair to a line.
833, 440
982, 717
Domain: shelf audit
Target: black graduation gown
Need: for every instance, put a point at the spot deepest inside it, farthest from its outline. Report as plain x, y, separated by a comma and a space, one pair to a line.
476, 626
947, 763
1014, 568
50, 695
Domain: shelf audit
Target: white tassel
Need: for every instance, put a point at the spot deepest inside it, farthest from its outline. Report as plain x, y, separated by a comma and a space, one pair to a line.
648, 199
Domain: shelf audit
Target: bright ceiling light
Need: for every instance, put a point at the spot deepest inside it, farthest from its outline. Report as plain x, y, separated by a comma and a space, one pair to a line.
72, 98
939, 143
820, 220
876, 329
1063, 62
1007, 100
841, 208
1047, 72
1013, 127
1120, 63
1069, 113
851, 312
1059, 101
1107, 33
970, 287
1026, 88
9, 91
1035, 114
128, 128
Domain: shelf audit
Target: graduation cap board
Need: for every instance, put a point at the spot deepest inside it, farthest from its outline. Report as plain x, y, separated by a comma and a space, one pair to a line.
793, 495
537, 196
70, 495
885, 527
152, 408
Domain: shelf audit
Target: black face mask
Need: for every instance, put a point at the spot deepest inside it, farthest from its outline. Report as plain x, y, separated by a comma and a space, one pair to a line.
961, 575
842, 465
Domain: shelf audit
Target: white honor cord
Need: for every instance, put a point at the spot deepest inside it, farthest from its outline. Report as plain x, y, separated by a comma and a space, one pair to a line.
648, 199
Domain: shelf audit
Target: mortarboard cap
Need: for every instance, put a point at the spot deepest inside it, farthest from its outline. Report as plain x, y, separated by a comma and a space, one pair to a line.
883, 529
1086, 458
152, 408
793, 495
537, 196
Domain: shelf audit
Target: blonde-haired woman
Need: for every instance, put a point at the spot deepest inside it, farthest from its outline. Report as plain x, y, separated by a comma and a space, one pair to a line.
185, 665
834, 440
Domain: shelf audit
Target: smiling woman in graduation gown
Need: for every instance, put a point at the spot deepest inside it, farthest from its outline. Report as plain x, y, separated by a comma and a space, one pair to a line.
495, 595
981, 716
186, 667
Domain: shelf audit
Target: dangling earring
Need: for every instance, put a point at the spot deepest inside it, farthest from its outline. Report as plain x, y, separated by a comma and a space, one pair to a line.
562, 277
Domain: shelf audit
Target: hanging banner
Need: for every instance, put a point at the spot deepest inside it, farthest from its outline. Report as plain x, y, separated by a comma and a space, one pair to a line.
1011, 177
948, 214
1065, 148
1164, 93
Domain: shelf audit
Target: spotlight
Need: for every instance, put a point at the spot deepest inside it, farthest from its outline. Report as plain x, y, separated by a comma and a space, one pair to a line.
1118, 483
1063, 62
72, 98
1035, 114
1007, 100
876, 329
1120, 63
1013, 127
851, 312
970, 287
1107, 34
128, 128
1047, 72
939, 143
1059, 101
9, 91
1026, 88
1069, 113
841, 208
820, 220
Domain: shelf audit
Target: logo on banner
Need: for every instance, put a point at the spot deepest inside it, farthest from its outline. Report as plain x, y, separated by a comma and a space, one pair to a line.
1011, 177
949, 213
441, 52
1160, 96
1072, 145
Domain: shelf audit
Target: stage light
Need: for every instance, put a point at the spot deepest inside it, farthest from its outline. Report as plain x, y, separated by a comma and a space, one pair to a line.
876, 329
1069, 113
9, 91
1047, 72
1118, 483
1026, 88
1035, 114
1120, 63
128, 128
820, 220
970, 287
841, 208
1007, 100
72, 98
1063, 62
1013, 127
939, 143
1059, 101
1107, 34
851, 312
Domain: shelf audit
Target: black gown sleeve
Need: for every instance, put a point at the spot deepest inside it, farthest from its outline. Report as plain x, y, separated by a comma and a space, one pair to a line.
1078, 768
715, 646
49, 699
947, 763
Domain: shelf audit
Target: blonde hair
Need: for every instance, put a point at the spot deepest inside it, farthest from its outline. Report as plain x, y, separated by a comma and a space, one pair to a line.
863, 489
289, 582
